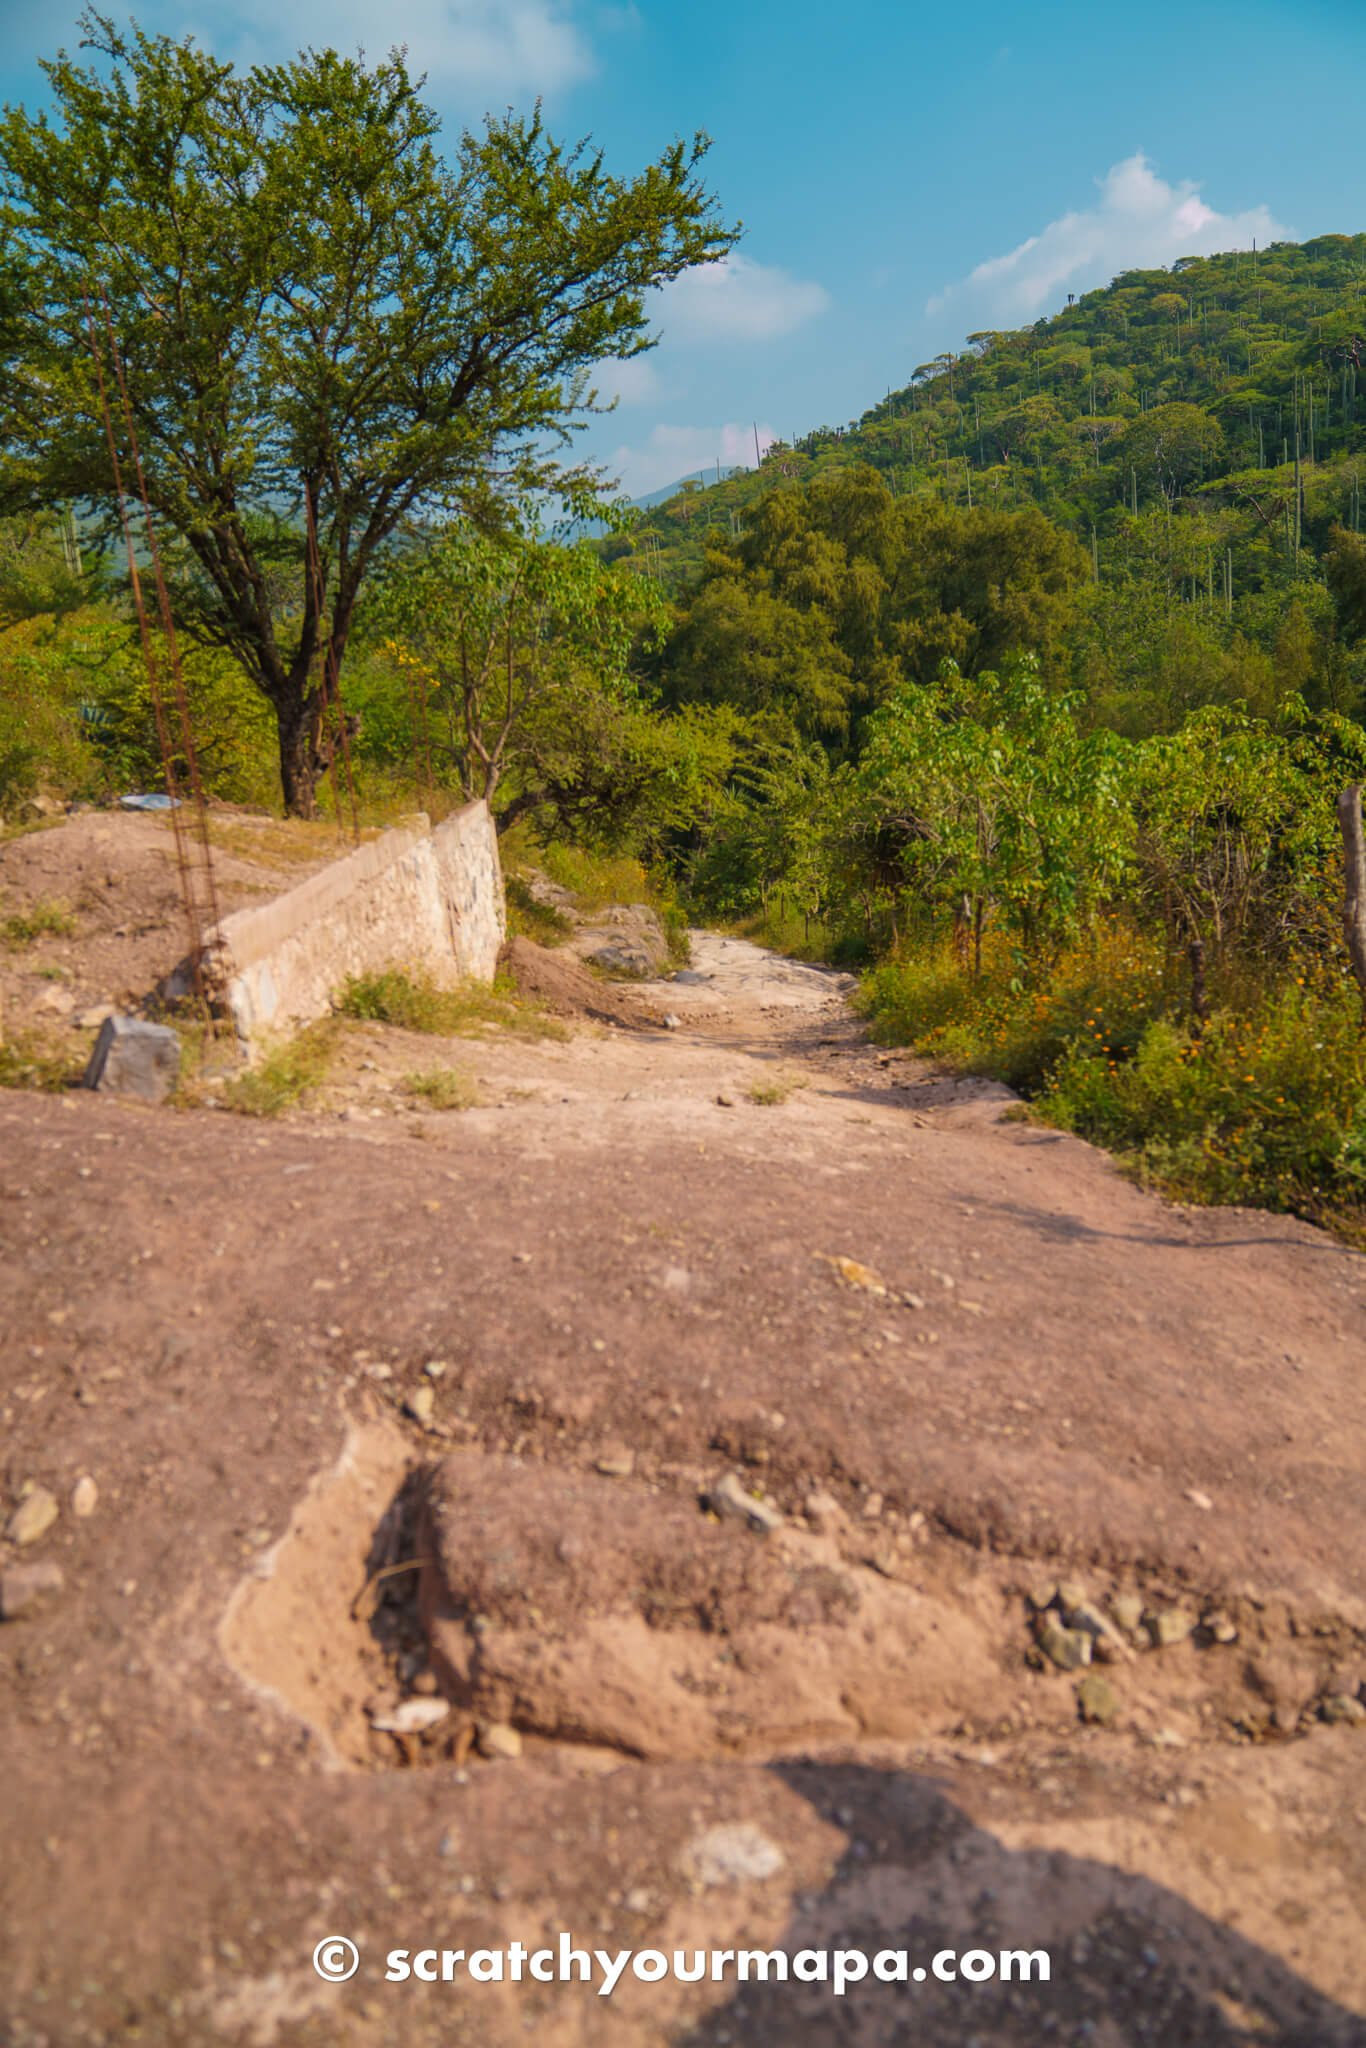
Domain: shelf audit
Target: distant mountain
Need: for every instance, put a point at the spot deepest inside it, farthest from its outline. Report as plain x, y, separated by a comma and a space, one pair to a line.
704, 477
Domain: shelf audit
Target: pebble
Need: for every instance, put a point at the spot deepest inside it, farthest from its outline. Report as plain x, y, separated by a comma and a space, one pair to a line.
497, 1739
1127, 1608
729, 1499
33, 1517
1221, 1628
1084, 1615
735, 1853
1198, 1499
1340, 1706
23, 1586
1169, 1626
1097, 1699
1068, 1648
616, 1464
725, 1101
421, 1404
823, 1512
84, 1498
672, 1023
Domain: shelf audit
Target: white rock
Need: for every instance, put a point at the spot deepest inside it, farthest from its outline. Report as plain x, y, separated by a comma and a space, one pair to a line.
412, 1716
734, 1853
421, 1404
33, 1517
729, 1499
496, 1739
84, 1497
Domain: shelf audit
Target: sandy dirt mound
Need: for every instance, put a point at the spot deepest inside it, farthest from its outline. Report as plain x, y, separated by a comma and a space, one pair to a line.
594, 1609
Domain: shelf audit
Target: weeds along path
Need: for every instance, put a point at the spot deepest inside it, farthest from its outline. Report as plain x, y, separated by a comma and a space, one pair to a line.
1028, 1611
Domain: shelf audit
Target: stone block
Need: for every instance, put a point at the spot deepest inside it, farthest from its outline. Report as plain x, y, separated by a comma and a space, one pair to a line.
133, 1057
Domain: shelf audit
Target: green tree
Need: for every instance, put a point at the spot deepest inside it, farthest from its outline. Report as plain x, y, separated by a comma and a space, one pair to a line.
1171, 446
495, 633
322, 320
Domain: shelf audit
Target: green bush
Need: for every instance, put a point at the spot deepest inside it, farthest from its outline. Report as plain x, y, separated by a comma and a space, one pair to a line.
1265, 1106
414, 1002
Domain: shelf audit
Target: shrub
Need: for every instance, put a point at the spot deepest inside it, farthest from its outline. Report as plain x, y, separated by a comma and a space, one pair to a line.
443, 1088
41, 920
286, 1074
414, 1002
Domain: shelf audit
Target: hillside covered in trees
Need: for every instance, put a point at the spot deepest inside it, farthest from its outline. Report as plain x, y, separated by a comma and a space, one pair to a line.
1199, 433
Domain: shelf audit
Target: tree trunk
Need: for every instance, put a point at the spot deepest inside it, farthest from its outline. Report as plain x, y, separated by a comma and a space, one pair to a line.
1199, 997
1354, 897
297, 722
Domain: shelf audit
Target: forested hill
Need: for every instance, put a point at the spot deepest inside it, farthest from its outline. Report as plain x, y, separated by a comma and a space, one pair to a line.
1227, 387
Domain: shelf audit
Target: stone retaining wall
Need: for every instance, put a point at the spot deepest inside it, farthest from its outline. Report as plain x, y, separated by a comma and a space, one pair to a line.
424, 899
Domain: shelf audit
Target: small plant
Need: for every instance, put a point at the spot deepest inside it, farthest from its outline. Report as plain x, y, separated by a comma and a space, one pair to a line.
768, 1094
414, 1002
28, 1059
42, 920
443, 1088
286, 1074
529, 918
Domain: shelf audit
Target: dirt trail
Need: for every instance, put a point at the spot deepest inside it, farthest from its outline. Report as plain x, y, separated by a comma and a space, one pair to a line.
513, 1349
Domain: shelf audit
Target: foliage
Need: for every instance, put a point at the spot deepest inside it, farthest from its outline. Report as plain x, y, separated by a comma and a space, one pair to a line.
837, 593
984, 797
515, 655
322, 321
285, 1074
43, 1060
414, 1002
442, 1088
529, 918
76, 711
1265, 1105
42, 920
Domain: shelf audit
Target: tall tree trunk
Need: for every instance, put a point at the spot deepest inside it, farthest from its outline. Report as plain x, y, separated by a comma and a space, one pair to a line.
296, 717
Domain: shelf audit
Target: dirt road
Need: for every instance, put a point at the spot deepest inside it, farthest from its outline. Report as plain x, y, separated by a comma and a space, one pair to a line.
1004, 1412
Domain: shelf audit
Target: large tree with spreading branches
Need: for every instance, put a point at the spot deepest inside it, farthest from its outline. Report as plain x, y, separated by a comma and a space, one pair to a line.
327, 326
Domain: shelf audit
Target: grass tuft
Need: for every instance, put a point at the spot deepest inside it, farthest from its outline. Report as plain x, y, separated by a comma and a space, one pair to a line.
286, 1075
414, 1002
768, 1094
443, 1088
32, 1059
42, 920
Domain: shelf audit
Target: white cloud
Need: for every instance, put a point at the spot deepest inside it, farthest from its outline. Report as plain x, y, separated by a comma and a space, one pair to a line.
737, 300
673, 453
632, 380
466, 47
1139, 222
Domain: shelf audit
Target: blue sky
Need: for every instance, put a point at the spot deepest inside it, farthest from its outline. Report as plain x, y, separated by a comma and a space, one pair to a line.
905, 173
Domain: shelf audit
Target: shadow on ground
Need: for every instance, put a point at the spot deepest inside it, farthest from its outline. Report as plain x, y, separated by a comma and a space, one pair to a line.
1132, 1965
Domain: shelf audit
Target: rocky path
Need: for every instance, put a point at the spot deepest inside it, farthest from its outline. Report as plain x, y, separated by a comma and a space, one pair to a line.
730, 1487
